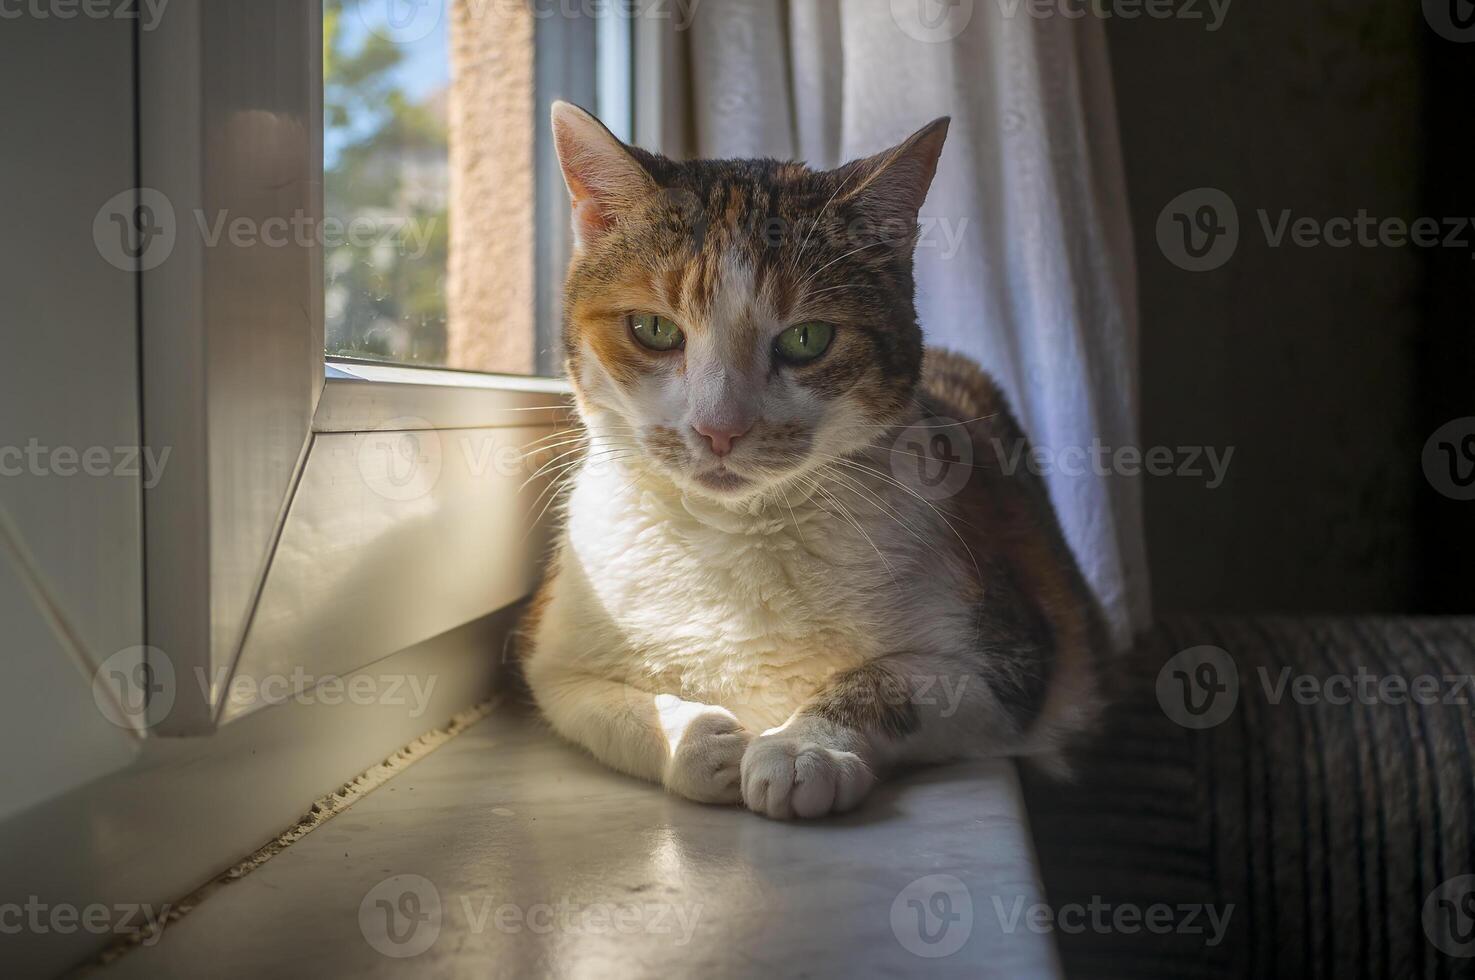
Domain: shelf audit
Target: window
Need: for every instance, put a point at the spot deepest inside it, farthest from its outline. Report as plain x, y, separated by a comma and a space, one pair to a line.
386, 170
445, 233
429, 172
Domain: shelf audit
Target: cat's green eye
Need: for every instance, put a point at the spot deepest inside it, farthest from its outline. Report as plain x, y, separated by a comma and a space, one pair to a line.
803, 342
656, 332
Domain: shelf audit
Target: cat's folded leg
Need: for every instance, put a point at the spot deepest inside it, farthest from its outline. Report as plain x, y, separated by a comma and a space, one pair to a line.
694, 750
904, 708
806, 768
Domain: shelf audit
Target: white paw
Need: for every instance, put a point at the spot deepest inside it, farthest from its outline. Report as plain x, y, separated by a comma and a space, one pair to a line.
706, 764
785, 776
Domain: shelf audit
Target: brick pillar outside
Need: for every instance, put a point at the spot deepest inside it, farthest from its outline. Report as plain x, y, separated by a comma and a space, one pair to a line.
489, 282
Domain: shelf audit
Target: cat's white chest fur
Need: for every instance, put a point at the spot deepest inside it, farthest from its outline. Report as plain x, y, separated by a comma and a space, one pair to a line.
750, 610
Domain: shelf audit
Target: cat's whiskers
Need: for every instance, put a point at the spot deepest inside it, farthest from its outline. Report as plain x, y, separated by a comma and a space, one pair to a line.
831, 289
558, 485
544, 468
819, 215
529, 452
564, 480
845, 513
902, 486
532, 449
575, 431
920, 425
876, 501
903, 452
580, 445
855, 487
811, 277
600, 455
530, 446
538, 408
793, 517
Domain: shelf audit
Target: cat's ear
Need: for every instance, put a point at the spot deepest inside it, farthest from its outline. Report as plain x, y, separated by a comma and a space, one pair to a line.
889, 188
603, 178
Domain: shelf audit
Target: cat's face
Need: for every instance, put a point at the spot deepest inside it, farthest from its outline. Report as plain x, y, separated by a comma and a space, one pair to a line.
733, 324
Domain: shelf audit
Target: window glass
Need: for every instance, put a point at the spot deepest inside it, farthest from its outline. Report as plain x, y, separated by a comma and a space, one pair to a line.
446, 233
386, 166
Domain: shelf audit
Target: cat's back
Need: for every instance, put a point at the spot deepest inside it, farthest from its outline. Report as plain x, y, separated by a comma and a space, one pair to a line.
956, 387
1006, 518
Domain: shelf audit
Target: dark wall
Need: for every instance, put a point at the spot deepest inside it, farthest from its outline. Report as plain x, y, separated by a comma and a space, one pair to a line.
1446, 352
1323, 367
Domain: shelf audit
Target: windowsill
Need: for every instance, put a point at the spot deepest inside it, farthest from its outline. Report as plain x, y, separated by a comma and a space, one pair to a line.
507, 820
412, 513
360, 396
346, 370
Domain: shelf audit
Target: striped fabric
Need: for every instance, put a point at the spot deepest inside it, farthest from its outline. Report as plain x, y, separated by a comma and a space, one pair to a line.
1328, 827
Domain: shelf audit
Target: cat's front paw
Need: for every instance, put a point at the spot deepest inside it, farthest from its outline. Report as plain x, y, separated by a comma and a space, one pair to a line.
787, 775
706, 765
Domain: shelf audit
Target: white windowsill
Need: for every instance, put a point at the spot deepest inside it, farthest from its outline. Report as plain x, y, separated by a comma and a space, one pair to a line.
507, 815
403, 374
365, 397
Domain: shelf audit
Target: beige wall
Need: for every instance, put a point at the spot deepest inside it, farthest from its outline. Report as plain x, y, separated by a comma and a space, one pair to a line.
489, 282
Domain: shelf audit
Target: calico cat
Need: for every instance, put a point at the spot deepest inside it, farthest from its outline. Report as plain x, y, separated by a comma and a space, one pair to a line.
753, 599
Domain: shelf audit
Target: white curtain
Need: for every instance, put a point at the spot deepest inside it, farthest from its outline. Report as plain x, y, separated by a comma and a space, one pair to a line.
1026, 257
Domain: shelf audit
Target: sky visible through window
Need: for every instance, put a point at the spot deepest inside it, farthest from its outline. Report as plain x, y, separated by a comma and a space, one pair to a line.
426, 69
386, 176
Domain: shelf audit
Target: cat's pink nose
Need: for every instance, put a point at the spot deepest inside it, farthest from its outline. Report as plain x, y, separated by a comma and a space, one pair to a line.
721, 437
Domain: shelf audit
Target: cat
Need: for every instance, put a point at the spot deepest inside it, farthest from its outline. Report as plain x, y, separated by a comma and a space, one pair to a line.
751, 599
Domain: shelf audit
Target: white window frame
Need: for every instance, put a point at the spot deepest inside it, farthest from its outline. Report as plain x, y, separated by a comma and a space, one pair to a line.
236, 382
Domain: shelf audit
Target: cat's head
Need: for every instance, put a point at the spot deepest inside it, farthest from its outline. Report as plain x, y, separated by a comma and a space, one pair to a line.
734, 323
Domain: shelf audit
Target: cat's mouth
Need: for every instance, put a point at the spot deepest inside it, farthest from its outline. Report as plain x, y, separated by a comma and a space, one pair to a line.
722, 480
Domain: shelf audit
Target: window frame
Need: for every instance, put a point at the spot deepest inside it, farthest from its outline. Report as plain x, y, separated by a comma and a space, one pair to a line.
230, 122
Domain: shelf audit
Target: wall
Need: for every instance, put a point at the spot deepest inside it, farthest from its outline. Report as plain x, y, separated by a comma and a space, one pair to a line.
71, 560
1304, 360
490, 280
1446, 349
